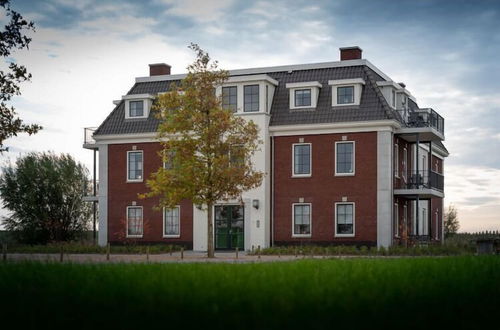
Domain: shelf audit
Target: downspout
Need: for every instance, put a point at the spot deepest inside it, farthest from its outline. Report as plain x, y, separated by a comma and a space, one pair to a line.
429, 220
272, 191
94, 208
417, 160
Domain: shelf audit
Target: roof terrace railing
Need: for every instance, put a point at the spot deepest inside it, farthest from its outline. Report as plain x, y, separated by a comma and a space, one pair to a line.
426, 118
88, 133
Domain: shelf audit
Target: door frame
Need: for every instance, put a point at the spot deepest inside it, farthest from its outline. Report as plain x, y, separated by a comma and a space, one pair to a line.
214, 225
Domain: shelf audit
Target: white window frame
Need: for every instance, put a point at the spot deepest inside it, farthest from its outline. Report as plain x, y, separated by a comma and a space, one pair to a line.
437, 224
396, 160
353, 219
126, 217
353, 158
405, 217
306, 175
313, 86
147, 102
396, 219
293, 220
357, 83
405, 164
175, 235
127, 174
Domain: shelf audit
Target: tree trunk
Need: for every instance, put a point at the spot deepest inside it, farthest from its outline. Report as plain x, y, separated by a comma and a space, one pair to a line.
210, 233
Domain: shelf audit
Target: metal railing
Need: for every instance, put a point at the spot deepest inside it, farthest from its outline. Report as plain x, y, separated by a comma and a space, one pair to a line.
425, 117
423, 180
88, 133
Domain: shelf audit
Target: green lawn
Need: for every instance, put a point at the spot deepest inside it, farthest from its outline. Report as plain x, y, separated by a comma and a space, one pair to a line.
455, 292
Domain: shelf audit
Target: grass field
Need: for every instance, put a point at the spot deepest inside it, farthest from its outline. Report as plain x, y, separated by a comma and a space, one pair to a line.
454, 292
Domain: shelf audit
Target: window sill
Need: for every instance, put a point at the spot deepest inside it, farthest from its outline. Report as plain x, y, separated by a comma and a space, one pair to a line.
344, 235
134, 236
295, 176
301, 236
344, 174
171, 236
135, 181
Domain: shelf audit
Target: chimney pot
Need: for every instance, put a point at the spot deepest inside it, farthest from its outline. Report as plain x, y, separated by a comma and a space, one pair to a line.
350, 53
158, 69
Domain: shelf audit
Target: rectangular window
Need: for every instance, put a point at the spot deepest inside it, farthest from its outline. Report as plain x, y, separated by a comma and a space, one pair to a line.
168, 162
396, 160
437, 224
344, 163
171, 222
230, 98
237, 156
134, 221
251, 98
301, 220
345, 95
302, 159
344, 219
303, 98
405, 220
405, 162
396, 219
136, 108
134, 166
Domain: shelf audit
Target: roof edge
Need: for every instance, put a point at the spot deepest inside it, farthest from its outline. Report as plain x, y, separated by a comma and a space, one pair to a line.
281, 68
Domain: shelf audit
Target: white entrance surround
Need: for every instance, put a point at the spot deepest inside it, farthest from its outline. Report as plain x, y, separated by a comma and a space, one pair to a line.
384, 188
257, 225
103, 195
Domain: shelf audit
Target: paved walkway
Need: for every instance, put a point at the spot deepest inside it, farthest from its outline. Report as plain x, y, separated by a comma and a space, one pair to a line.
187, 257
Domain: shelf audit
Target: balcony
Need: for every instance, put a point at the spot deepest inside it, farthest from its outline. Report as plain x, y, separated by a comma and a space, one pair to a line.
422, 183
88, 191
88, 139
426, 122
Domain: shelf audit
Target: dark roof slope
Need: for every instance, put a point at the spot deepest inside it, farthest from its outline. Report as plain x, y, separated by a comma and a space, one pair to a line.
373, 105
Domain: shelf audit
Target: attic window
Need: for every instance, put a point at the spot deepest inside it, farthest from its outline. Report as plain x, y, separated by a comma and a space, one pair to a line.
304, 94
137, 105
136, 108
346, 91
303, 97
345, 95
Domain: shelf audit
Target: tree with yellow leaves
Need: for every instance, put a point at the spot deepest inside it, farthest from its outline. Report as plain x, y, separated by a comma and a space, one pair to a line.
206, 149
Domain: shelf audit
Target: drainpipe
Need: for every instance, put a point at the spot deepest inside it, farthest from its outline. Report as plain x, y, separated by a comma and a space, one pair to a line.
417, 160
272, 191
94, 208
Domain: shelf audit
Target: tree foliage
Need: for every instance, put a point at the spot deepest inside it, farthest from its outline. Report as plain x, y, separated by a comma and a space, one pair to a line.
208, 148
44, 193
11, 38
451, 224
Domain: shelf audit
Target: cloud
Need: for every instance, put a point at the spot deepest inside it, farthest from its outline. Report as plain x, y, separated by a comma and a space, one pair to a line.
198, 10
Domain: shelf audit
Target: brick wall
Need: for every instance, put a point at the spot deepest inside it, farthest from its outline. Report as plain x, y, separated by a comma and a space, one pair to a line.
122, 193
323, 189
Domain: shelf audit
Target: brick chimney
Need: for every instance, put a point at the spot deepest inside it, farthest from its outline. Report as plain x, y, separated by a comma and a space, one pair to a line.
350, 53
158, 69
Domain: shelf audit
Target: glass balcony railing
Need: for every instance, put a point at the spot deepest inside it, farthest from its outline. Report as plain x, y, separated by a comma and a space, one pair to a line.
425, 118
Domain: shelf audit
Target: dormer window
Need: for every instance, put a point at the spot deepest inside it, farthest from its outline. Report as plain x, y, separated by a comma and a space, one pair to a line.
346, 91
304, 94
345, 95
137, 106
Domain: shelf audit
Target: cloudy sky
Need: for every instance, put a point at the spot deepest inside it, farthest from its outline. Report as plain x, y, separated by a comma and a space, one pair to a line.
86, 53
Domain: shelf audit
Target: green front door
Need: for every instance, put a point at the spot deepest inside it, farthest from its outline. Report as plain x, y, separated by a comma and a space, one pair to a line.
229, 224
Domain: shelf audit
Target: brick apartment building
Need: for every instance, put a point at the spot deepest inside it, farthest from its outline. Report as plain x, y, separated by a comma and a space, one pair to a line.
349, 157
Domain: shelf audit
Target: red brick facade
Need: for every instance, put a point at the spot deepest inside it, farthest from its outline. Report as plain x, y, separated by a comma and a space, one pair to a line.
122, 194
323, 189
